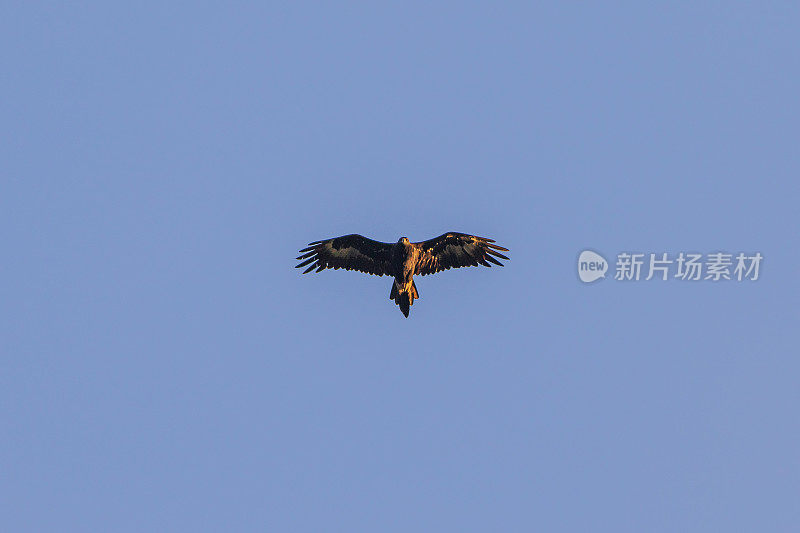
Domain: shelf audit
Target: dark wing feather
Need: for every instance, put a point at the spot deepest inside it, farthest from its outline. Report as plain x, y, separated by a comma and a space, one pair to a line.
351, 252
454, 250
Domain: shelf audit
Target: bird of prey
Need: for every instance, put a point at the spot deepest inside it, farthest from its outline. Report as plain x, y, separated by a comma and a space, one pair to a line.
401, 260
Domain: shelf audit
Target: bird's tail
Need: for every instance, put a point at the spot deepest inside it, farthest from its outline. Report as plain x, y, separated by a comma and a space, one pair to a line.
404, 297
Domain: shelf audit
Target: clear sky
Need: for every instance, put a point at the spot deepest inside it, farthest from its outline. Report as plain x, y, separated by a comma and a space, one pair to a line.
164, 366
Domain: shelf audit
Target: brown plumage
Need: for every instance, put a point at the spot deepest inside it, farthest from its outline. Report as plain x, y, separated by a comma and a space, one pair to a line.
401, 260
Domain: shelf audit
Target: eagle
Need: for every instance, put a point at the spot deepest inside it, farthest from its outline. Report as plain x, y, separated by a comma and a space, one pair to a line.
401, 260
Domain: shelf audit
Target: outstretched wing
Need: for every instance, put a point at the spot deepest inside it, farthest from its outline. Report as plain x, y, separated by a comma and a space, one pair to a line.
351, 252
454, 250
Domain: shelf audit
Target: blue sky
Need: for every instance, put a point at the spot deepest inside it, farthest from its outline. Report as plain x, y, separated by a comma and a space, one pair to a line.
165, 368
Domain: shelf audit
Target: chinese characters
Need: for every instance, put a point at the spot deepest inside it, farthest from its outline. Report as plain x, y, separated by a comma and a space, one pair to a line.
717, 266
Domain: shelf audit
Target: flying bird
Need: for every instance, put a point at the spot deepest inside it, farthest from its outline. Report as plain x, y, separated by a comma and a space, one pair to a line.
401, 260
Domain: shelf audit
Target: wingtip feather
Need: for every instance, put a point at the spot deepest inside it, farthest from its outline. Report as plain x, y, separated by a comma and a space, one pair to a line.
497, 254
307, 261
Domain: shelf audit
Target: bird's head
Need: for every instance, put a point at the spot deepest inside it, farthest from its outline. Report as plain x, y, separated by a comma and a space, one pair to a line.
403, 240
